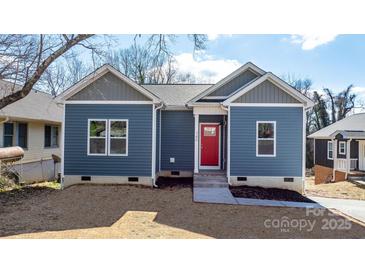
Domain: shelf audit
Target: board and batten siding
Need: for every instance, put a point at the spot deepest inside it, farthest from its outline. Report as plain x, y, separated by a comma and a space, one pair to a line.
234, 84
139, 159
266, 92
109, 87
177, 140
289, 140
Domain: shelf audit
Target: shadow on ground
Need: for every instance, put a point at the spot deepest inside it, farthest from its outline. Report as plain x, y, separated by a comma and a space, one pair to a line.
138, 212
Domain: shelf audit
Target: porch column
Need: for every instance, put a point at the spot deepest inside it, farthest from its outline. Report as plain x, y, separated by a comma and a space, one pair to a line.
334, 146
348, 158
196, 143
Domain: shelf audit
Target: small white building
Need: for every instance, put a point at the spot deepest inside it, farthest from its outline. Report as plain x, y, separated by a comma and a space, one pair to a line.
33, 123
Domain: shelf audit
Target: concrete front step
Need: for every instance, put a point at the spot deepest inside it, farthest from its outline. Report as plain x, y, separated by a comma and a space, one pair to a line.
210, 181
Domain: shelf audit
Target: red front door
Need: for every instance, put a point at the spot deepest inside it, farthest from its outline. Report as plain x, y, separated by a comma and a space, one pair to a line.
209, 145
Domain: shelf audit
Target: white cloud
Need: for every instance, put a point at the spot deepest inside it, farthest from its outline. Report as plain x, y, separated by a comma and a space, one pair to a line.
212, 36
205, 68
358, 90
309, 42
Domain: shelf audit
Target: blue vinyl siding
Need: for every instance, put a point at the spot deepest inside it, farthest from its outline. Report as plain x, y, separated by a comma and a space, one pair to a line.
177, 140
289, 138
138, 161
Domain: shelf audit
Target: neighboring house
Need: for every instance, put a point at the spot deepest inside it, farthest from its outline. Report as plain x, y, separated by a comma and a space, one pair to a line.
33, 123
249, 125
339, 149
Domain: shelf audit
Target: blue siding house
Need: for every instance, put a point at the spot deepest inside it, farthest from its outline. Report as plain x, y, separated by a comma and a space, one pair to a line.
249, 126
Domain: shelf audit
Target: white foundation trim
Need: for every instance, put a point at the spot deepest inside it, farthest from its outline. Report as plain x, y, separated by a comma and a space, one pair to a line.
269, 182
105, 180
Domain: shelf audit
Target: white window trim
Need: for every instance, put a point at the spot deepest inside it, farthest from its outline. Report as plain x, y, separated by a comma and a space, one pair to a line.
126, 137
257, 139
344, 148
89, 137
328, 150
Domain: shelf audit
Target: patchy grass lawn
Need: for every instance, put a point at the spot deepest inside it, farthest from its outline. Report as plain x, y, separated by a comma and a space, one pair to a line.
87, 211
343, 190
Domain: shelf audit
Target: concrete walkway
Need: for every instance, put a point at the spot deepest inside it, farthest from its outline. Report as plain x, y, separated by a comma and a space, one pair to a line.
213, 188
352, 208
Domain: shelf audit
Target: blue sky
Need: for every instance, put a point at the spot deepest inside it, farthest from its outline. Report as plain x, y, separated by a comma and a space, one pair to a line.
333, 61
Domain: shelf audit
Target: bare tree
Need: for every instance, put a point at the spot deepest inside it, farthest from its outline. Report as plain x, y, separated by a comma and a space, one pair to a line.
25, 58
345, 102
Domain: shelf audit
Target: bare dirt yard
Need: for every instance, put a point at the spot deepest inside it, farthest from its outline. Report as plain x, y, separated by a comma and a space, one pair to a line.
342, 190
87, 211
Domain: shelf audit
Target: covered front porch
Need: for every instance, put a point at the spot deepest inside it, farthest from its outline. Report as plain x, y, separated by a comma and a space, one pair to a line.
348, 150
210, 139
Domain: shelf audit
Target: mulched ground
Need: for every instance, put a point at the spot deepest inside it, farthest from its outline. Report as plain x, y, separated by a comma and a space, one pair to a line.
175, 183
268, 194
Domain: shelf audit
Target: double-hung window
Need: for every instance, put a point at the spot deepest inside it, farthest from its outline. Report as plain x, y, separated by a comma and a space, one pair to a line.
97, 140
117, 141
108, 137
50, 136
22, 135
330, 150
265, 138
8, 134
342, 148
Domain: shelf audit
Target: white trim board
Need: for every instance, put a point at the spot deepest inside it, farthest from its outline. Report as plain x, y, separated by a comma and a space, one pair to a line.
266, 105
107, 102
274, 80
99, 73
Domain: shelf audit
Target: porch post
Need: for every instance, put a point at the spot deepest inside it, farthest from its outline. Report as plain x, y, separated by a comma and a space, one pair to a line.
196, 143
348, 158
334, 146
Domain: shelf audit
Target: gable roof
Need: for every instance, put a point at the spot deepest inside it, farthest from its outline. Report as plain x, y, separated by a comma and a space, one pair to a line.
276, 81
228, 78
99, 73
355, 122
176, 94
36, 105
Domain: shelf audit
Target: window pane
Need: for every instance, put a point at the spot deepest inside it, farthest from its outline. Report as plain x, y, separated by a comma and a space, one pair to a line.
47, 136
97, 146
8, 128
330, 154
97, 129
209, 131
22, 135
266, 130
118, 146
118, 129
266, 147
54, 136
8, 141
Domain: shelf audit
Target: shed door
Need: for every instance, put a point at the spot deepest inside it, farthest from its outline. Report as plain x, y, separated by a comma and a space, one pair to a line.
209, 145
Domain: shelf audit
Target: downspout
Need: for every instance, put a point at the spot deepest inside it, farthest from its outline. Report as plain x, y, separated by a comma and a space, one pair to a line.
154, 144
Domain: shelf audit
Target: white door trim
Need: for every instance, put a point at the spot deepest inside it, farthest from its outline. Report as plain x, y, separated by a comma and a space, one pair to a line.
219, 147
